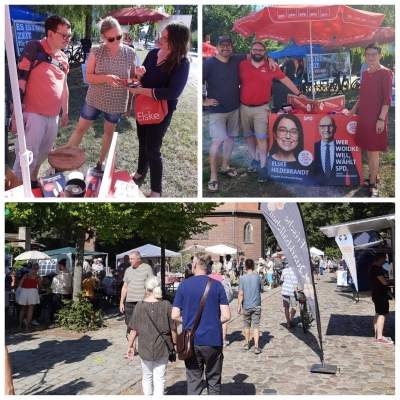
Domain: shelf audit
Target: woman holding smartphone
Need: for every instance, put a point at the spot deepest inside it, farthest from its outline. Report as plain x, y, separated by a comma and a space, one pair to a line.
107, 65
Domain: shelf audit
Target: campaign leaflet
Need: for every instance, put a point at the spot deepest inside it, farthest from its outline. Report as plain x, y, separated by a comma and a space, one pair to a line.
298, 151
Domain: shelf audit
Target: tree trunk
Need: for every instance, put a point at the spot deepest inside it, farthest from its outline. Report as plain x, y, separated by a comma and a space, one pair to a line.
88, 24
162, 240
80, 246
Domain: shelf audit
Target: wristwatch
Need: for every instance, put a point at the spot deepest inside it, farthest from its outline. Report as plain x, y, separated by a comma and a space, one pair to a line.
380, 119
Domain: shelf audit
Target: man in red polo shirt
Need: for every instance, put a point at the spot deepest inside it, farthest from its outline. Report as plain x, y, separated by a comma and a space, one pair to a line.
44, 92
255, 92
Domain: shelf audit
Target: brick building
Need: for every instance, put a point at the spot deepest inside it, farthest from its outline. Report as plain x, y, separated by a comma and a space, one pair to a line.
239, 225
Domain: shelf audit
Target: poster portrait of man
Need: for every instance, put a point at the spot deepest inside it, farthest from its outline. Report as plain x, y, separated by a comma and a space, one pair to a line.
333, 159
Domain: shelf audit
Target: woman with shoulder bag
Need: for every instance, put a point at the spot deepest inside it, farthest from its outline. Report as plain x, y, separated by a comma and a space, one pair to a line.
163, 76
151, 321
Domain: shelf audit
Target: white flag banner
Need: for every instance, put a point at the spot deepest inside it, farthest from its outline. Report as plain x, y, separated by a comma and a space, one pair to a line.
346, 246
287, 226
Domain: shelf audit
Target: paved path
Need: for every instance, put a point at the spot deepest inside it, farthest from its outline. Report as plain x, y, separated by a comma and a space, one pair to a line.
53, 362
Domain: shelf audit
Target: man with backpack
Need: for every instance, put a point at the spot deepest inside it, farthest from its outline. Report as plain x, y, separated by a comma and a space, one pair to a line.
42, 79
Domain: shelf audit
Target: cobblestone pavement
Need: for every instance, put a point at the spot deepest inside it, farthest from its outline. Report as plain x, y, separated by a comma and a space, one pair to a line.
54, 362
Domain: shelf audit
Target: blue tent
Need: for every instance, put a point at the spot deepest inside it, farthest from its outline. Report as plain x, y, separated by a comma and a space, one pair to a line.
24, 14
296, 51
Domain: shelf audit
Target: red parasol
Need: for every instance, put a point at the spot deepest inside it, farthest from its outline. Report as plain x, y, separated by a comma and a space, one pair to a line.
380, 35
208, 50
312, 24
136, 15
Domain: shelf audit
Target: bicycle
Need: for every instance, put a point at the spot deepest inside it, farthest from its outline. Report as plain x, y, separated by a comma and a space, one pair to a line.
75, 54
305, 310
356, 84
339, 85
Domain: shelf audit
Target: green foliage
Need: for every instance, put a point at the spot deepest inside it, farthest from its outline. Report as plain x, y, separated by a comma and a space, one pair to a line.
218, 20
18, 264
317, 215
15, 251
79, 315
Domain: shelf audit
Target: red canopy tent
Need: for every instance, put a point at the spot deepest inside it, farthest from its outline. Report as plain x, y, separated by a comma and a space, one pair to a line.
381, 35
136, 15
309, 24
208, 50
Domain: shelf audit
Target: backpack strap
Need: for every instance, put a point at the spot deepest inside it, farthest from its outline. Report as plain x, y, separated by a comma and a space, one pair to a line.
36, 54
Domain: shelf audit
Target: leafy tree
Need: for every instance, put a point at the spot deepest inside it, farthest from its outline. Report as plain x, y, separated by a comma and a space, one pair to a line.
161, 222
317, 215
111, 220
171, 221
218, 20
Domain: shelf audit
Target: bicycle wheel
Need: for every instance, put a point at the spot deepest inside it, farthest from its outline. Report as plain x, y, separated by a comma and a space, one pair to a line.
304, 319
345, 86
69, 55
356, 84
79, 56
333, 89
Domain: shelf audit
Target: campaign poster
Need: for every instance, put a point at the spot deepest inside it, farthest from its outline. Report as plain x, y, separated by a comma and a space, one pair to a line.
25, 31
325, 65
314, 149
290, 157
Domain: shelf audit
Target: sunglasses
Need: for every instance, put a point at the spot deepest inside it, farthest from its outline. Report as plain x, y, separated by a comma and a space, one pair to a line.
110, 40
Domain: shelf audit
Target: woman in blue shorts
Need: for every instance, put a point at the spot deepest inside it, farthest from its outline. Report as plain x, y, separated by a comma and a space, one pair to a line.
106, 65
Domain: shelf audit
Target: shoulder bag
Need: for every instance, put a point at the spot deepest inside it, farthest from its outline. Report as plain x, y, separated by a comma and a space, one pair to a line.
149, 110
185, 341
172, 354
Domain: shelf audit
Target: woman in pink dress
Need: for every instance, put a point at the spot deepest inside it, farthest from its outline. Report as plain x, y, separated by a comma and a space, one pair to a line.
373, 105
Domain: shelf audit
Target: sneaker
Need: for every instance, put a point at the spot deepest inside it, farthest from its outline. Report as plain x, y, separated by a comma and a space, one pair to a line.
99, 167
384, 337
34, 322
253, 165
384, 341
262, 175
246, 346
257, 350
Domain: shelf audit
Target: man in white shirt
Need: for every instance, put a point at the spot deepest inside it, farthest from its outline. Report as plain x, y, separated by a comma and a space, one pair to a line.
86, 266
61, 287
289, 280
270, 271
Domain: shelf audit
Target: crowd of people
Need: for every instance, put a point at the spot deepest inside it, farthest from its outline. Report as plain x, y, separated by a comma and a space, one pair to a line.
238, 87
152, 322
44, 92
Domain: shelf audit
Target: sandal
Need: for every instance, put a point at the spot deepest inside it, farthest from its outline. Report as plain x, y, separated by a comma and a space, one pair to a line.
229, 172
366, 181
138, 181
374, 192
213, 186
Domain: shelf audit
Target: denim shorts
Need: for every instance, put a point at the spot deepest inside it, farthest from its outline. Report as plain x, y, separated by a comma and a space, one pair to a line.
91, 113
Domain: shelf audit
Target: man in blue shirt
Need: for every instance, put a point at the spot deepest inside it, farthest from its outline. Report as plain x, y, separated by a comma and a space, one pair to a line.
250, 287
208, 337
221, 74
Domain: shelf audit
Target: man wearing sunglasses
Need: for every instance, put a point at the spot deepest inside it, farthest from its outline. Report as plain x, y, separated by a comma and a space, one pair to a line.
43, 91
333, 162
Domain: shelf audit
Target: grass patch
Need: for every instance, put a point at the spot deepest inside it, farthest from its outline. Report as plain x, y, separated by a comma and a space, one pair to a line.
246, 185
179, 144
